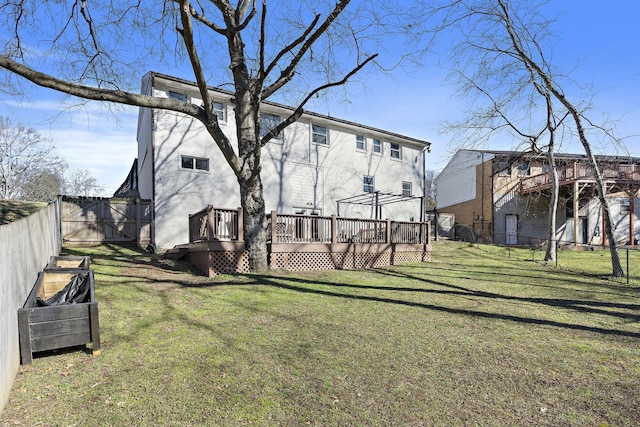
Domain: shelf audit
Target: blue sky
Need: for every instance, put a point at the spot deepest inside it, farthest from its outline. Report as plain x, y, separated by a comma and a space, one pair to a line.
599, 41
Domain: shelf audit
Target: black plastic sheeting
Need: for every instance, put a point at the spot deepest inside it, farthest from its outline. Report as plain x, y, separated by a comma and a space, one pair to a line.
74, 292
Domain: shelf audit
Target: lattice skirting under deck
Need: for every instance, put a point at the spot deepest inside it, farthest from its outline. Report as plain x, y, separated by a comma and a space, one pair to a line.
308, 261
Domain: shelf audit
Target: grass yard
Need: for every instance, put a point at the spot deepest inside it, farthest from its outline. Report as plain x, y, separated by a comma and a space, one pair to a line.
471, 338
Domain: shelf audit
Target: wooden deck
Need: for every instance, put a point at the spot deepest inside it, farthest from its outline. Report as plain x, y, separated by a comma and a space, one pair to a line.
619, 177
305, 242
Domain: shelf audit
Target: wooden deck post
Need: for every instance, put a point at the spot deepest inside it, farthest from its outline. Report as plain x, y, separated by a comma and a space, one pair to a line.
334, 228
388, 233
274, 219
240, 225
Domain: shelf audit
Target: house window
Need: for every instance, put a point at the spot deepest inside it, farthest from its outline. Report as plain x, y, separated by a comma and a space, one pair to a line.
503, 169
396, 151
194, 163
407, 189
361, 143
268, 122
523, 169
368, 185
320, 134
377, 146
219, 111
177, 95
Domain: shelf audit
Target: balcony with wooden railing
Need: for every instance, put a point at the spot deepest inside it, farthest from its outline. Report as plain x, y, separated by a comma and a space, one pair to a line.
621, 175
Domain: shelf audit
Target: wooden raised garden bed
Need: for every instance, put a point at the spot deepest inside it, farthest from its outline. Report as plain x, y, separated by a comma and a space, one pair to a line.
61, 311
75, 262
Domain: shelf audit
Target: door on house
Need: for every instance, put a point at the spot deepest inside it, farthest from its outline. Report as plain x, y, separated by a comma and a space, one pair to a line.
511, 229
581, 232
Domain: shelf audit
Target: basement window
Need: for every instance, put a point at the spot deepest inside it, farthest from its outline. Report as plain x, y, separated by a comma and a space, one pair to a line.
194, 163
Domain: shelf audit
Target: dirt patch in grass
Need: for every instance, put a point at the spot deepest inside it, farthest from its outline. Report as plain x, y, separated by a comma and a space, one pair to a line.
467, 339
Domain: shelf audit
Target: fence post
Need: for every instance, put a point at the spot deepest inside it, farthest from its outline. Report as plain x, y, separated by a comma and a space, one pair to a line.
627, 266
388, 233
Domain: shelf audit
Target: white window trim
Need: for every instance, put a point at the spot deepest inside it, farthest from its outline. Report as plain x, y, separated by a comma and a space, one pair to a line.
364, 143
392, 150
224, 111
195, 158
381, 145
278, 139
326, 135
372, 184
410, 189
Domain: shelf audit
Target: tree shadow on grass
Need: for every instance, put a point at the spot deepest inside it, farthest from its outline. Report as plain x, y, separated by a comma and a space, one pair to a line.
299, 285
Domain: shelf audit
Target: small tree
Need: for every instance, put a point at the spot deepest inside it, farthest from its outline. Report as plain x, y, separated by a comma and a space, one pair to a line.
79, 182
26, 159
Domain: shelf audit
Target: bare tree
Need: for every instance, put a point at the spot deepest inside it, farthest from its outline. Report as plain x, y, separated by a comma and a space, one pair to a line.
430, 189
503, 56
25, 155
79, 182
92, 50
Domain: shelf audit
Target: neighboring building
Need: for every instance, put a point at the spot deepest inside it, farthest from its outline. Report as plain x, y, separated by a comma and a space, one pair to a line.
320, 165
503, 196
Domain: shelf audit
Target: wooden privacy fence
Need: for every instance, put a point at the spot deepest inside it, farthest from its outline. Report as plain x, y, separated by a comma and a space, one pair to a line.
305, 242
94, 220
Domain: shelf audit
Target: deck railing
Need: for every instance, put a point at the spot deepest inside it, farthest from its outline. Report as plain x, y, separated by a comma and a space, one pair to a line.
577, 171
226, 224
215, 224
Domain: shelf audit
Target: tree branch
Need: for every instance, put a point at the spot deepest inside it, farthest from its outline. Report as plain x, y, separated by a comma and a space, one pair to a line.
287, 74
300, 109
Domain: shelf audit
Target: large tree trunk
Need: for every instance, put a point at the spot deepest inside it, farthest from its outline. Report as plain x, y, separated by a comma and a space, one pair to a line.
255, 235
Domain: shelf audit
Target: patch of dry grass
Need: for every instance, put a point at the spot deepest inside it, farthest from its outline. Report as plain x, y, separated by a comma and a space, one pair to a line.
467, 339
13, 210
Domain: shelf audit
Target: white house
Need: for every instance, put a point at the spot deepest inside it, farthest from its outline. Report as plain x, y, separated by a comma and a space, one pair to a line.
319, 165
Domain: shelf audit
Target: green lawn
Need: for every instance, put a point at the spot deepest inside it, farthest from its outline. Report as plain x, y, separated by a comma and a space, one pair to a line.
472, 338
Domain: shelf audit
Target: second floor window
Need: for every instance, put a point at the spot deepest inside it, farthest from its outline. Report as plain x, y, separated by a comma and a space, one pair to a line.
396, 151
523, 169
368, 185
177, 95
219, 110
320, 134
504, 169
361, 143
194, 163
268, 122
377, 146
